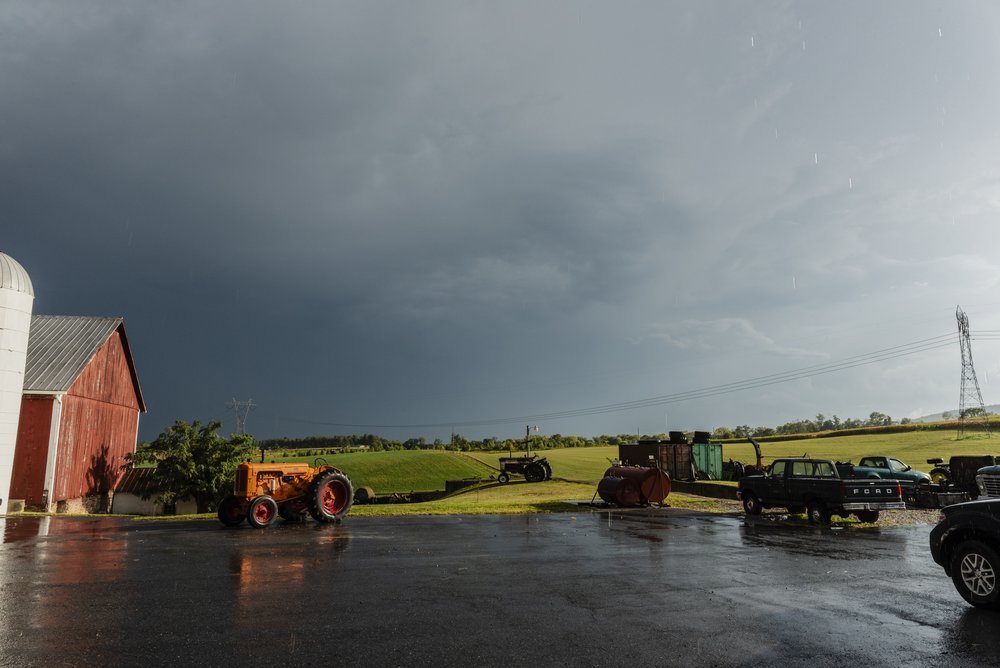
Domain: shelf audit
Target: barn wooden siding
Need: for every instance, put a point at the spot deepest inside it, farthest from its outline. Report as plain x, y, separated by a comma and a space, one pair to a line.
100, 419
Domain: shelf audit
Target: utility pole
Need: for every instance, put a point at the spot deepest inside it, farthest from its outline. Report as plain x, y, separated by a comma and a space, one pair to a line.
241, 409
527, 438
970, 398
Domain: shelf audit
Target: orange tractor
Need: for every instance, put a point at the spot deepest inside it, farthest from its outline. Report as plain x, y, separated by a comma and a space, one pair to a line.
292, 491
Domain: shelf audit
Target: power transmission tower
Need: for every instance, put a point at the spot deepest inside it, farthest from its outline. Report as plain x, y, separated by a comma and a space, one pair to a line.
241, 409
970, 401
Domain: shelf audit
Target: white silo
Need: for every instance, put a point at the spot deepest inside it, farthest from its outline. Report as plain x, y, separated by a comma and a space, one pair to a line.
16, 298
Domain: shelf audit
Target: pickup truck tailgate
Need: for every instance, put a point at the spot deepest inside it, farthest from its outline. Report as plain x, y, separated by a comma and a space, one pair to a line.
872, 495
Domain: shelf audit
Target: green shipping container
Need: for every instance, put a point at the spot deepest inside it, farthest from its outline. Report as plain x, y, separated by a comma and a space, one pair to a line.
708, 459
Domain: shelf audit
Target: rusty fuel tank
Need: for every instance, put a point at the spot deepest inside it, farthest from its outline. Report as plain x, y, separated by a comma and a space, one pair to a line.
619, 491
634, 485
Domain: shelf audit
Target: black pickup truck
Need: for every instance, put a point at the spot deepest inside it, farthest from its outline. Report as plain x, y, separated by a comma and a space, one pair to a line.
966, 543
815, 486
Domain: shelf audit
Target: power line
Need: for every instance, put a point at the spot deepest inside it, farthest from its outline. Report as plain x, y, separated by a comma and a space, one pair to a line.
885, 354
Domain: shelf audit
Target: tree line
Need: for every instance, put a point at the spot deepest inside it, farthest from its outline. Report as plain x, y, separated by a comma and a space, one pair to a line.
821, 423
372, 442
807, 426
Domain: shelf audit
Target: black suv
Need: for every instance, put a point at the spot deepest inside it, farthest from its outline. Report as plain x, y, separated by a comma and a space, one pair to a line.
966, 542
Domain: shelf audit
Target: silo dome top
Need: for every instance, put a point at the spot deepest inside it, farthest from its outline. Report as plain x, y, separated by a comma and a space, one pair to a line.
13, 276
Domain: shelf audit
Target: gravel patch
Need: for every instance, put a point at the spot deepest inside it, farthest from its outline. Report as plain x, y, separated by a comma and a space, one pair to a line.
887, 518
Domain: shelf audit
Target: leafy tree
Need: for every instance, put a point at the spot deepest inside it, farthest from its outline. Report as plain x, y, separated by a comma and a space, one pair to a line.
193, 462
722, 432
877, 419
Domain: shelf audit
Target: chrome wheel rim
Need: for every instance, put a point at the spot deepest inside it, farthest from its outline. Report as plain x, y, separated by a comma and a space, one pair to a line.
978, 575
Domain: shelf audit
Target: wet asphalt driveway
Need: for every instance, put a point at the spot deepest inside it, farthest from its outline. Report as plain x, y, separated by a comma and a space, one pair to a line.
638, 588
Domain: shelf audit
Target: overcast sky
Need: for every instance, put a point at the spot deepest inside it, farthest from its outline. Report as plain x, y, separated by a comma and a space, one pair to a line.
475, 216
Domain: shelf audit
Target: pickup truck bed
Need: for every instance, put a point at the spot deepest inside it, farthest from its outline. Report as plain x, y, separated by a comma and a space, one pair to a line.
815, 486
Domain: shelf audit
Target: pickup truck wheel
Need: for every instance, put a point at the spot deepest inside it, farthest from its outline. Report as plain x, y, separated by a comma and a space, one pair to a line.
818, 513
751, 504
974, 569
867, 516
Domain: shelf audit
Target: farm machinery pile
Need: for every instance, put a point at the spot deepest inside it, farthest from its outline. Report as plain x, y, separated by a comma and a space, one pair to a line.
293, 491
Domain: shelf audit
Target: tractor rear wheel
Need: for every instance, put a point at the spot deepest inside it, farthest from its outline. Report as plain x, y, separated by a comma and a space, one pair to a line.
231, 512
548, 469
534, 472
330, 497
262, 512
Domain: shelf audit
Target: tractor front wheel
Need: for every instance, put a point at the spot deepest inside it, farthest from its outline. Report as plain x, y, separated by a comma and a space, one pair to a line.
330, 497
231, 511
262, 512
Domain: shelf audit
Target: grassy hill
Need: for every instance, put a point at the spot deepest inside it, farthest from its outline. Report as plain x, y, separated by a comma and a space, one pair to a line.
913, 448
402, 470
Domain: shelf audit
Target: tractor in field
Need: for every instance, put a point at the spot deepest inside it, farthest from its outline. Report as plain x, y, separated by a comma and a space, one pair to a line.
293, 491
532, 468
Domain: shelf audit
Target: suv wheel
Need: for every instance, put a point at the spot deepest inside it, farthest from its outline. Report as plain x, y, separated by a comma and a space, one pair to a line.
974, 570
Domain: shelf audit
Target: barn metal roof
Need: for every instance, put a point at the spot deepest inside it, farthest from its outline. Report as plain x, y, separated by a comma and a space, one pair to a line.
13, 276
60, 346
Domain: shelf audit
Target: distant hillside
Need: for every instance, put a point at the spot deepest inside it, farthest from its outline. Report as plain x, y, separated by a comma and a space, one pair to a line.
993, 409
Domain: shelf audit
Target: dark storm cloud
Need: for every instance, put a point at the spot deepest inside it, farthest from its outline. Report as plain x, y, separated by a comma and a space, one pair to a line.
396, 213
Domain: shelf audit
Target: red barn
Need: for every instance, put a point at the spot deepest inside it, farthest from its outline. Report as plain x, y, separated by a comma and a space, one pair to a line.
79, 413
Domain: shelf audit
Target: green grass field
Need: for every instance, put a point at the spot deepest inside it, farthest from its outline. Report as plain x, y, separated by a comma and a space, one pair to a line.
913, 448
402, 471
